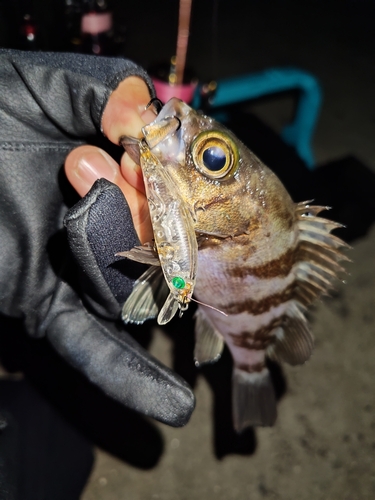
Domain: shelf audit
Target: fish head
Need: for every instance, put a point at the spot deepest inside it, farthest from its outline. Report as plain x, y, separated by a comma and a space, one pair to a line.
228, 189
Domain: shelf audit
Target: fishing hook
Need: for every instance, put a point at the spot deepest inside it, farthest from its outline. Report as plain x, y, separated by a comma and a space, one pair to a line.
158, 104
176, 118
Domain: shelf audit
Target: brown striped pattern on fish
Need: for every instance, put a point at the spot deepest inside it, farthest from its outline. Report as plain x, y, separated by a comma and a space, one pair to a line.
277, 326
275, 268
261, 258
258, 339
261, 306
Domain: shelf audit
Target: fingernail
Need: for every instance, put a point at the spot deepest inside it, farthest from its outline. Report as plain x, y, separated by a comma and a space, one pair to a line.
96, 166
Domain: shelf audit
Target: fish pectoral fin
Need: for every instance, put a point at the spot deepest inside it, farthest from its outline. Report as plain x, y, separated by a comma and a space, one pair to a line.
209, 343
144, 254
293, 341
149, 292
254, 400
168, 310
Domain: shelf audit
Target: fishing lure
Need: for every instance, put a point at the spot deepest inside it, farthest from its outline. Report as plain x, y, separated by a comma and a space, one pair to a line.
175, 243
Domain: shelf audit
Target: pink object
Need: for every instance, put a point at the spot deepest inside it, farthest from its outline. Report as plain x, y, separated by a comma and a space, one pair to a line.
165, 91
95, 23
182, 39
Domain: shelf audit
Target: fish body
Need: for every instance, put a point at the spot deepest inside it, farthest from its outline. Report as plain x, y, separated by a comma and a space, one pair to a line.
262, 259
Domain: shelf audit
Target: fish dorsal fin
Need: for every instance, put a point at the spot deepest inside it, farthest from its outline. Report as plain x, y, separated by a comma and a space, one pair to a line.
168, 310
293, 341
209, 343
316, 268
148, 294
318, 254
144, 254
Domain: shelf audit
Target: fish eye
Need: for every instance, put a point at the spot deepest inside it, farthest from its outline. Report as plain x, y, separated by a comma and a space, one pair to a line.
215, 154
214, 158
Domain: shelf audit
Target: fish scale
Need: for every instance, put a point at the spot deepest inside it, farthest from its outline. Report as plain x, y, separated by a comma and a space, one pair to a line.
262, 259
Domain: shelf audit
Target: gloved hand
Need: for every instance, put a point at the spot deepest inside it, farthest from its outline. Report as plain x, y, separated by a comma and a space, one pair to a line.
49, 104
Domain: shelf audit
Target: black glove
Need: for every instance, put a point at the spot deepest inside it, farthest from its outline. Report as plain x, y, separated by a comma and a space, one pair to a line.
98, 227
48, 104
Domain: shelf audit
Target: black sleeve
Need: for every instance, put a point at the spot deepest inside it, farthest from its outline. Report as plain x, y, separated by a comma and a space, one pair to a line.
56, 95
49, 104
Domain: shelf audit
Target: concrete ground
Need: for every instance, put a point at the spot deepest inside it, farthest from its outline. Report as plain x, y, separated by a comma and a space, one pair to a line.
323, 444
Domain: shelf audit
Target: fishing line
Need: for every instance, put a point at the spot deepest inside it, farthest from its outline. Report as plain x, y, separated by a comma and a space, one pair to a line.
206, 305
215, 37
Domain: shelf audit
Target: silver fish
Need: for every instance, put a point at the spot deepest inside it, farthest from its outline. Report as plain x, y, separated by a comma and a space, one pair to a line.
262, 259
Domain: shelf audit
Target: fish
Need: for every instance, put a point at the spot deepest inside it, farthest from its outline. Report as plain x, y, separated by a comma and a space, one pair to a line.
258, 259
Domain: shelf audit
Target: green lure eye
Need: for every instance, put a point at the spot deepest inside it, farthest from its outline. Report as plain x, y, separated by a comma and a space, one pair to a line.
178, 282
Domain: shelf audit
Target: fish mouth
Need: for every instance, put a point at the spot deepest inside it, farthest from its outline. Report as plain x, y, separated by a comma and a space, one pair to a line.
167, 122
131, 146
165, 126
174, 107
157, 131
153, 134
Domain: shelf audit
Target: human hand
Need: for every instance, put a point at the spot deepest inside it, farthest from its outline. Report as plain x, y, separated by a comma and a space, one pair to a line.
125, 114
86, 168
49, 104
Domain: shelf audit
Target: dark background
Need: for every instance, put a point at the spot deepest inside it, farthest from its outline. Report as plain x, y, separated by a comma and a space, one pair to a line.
322, 446
227, 37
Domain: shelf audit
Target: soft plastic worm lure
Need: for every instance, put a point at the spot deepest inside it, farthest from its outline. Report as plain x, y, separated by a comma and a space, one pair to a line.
174, 234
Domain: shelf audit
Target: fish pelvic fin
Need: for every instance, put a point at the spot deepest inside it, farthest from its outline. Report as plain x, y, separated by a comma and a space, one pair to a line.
209, 343
149, 292
253, 399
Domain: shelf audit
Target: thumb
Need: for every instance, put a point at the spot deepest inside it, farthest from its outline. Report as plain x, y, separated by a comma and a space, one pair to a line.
86, 164
126, 113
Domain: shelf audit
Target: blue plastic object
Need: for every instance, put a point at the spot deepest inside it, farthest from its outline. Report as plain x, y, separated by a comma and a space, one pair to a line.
298, 133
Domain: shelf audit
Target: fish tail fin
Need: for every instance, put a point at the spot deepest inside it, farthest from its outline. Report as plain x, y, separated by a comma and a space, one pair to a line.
254, 400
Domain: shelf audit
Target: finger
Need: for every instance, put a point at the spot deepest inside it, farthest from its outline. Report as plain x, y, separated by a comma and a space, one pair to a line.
86, 164
125, 113
132, 173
